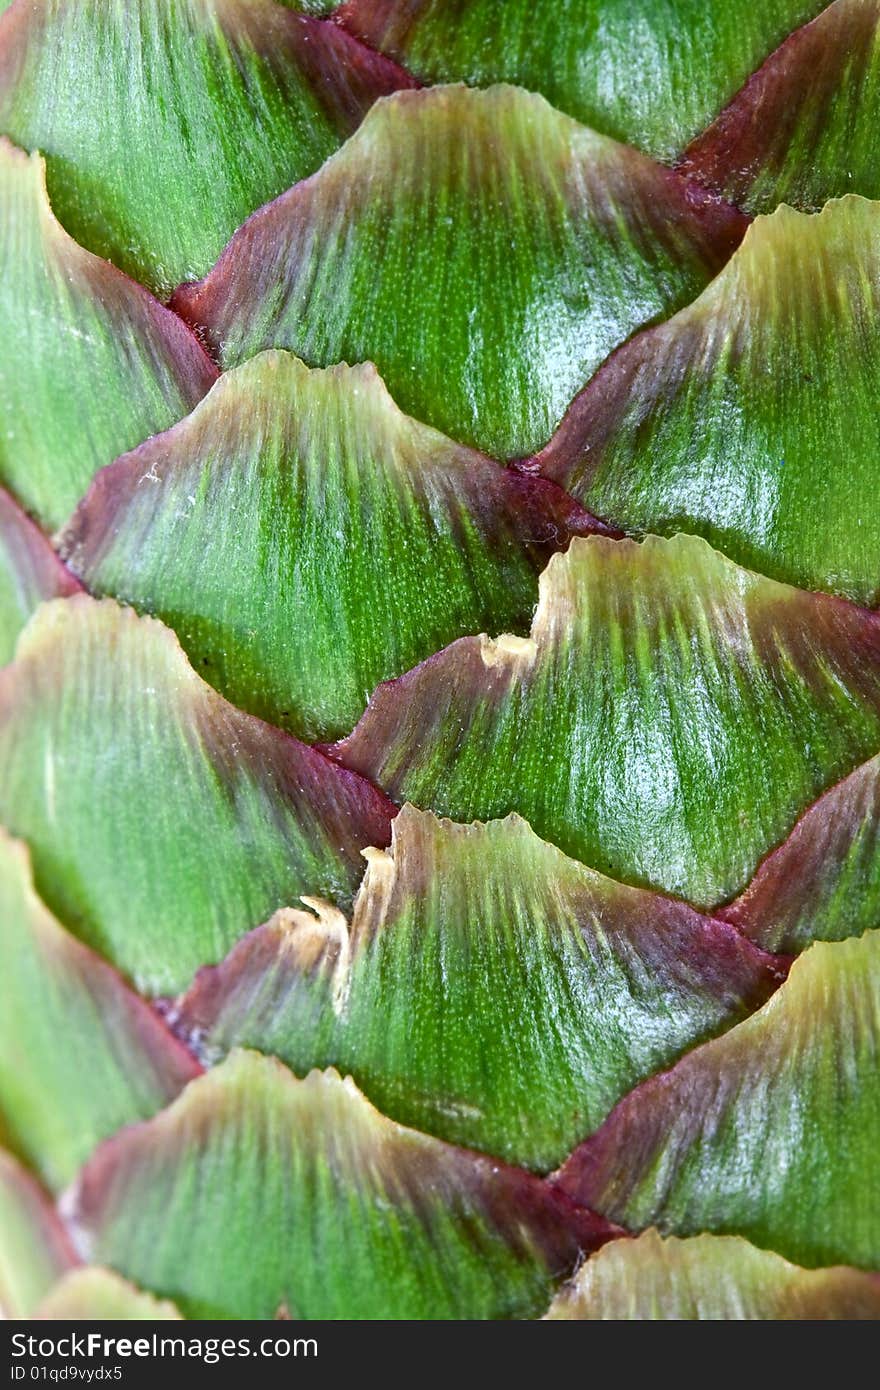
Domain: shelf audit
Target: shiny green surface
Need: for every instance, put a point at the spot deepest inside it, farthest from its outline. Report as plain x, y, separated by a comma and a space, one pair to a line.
651, 72
669, 719
257, 1191
485, 251
165, 123
489, 990
706, 1279
80, 1053
306, 540
804, 129
770, 1132
750, 417
90, 364
162, 822
695, 742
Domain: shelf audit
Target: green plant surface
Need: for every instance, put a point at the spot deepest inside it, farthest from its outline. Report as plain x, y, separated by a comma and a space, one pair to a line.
90, 364
770, 1132
750, 417
802, 130
306, 540
484, 250
162, 821
30, 572
80, 1054
257, 1192
667, 721
653, 73
822, 883
489, 990
165, 123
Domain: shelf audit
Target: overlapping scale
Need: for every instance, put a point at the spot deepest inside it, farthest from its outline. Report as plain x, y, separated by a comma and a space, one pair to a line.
90, 363
35, 1249
769, 1132
803, 128
651, 74
30, 572
822, 883
162, 821
257, 1191
484, 250
667, 721
489, 990
80, 1054
166, 122
750, 417
93, 1294
306, 540
708, 1279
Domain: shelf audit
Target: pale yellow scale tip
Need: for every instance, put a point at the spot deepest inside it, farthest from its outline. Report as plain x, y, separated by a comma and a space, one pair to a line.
507, 647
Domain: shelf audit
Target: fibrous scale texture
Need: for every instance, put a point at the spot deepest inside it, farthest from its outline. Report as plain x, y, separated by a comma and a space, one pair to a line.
439, 660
